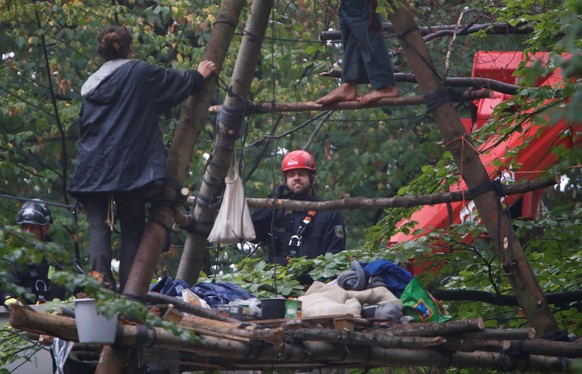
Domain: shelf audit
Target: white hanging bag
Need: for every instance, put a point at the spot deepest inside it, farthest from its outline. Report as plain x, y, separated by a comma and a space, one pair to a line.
233, 223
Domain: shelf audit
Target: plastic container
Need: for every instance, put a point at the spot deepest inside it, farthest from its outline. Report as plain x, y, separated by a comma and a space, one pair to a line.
91, 326
293, 309
273, 308
232, 311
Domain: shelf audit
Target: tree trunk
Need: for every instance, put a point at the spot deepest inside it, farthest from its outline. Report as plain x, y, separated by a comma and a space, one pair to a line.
227, 129
459, 143
191, 120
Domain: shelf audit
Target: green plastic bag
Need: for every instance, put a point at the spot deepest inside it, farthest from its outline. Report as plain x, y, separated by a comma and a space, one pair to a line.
419, 304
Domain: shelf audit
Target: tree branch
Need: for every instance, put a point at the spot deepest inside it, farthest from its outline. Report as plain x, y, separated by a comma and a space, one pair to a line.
471, 82
504, 300
391, 202
349, 105
433, 32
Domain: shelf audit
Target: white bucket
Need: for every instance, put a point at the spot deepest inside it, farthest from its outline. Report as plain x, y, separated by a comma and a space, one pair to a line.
91, 326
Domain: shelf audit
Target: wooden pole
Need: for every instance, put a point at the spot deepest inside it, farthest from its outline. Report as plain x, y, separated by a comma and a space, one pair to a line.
380, 338
227, 129
397, 202
460, 144
183, 306
436, 329
349, 105
177, 163
219, 345
488, 28
161, 216
474, 82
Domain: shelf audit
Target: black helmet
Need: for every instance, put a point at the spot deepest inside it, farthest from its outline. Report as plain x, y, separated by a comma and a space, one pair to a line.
34, 212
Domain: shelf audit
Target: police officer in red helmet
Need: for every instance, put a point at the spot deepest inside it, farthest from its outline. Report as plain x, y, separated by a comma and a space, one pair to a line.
289, 233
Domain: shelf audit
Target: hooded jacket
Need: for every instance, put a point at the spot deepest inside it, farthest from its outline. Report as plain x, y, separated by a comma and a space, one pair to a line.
120, 145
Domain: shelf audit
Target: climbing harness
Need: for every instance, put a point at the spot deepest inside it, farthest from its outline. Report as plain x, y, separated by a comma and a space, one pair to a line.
295, 241
40, 289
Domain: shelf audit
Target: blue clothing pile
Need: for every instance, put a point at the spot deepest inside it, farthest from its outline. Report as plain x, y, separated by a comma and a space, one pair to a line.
377, 273
219, 293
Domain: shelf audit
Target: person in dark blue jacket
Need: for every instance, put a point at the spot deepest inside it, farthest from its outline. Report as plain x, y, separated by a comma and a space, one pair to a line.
365, 56
290, 233
120, 147
36, 218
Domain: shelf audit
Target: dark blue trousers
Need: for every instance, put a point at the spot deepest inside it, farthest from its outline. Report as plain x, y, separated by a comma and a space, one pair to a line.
365, 56
130, 209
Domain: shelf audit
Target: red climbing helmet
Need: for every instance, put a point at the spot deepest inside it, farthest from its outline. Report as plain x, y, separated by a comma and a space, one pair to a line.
298, 160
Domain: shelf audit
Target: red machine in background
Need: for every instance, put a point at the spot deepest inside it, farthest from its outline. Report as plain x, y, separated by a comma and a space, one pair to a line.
533, 158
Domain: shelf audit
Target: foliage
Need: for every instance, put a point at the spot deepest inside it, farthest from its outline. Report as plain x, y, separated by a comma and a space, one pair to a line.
552, 246
15, 346
552, 243
49, 51
19, 248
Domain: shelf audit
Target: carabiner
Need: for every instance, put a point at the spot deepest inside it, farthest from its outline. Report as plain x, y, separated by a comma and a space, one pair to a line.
295, 241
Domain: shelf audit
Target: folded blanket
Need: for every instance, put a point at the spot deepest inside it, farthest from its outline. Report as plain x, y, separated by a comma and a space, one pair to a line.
330, 299
354, 279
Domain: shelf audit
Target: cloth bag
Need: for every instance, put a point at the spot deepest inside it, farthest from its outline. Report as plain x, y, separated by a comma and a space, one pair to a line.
233, 223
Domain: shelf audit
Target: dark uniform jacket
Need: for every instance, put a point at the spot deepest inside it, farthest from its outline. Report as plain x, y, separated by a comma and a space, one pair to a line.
35, 279
324, 234
120, 145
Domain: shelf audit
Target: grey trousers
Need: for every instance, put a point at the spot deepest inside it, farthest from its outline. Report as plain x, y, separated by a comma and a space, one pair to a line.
365, 56
130, 211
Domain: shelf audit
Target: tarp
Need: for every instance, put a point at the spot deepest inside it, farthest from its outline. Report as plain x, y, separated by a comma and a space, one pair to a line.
219, 293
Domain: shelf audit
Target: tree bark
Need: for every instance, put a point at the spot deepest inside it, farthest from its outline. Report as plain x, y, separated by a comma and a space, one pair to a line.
390, 202
556, 298
548, 347
499, 334
379, 338
248, 332
226, 345
351, 105
436, 329
160, 217
183, 306
473, 82
192, 118
433, 31
227, 129
459, 143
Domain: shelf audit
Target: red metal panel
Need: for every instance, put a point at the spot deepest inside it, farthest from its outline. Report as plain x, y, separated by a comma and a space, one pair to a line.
533, 159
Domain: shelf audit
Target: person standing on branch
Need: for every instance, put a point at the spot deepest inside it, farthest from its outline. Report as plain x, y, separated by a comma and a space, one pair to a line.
290, 233
36, 218
365, 56
120, 147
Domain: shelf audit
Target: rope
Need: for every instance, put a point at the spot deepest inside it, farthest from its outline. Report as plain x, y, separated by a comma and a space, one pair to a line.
436, 98
486, 187
234, 25
401, 35
110, 221
230, 115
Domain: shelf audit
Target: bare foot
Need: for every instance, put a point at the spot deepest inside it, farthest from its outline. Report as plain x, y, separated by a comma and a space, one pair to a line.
381, 93
345, 92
